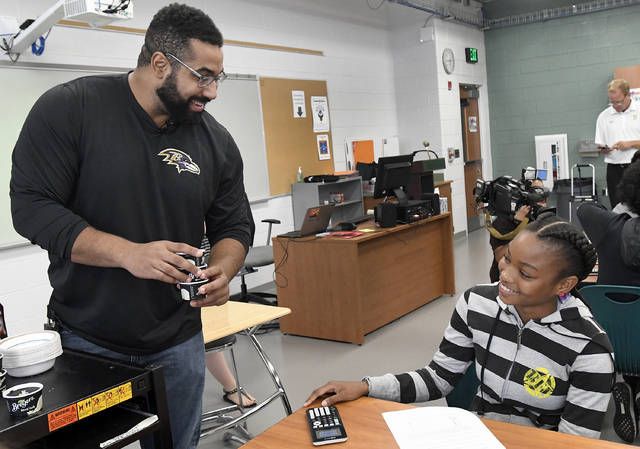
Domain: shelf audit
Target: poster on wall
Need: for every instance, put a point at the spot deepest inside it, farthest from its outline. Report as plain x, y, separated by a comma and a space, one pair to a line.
324, 152
299, 108
320, 109
473, 124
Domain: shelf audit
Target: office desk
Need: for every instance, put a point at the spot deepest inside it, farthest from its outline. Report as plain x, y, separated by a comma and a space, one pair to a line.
231, 318
367, 429
84, 398
342, 289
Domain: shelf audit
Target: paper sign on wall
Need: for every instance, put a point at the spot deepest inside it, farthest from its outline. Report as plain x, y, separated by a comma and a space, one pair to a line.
320, 109
324, 152
473, 124
299, 108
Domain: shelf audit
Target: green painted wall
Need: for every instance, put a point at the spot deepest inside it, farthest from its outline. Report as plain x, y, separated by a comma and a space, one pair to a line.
551, 78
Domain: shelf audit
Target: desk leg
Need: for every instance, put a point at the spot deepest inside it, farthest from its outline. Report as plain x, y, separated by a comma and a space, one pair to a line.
272, 370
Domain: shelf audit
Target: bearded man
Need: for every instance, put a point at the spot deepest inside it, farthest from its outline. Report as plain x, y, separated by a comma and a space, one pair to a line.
115, 176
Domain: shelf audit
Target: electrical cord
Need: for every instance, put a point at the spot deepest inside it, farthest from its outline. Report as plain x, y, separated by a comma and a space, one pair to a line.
122, 6
281, 262
38, 48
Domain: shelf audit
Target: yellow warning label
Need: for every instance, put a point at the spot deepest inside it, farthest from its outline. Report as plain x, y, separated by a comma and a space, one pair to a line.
124, 392
539, 383
62, 417
84, 408
104, 400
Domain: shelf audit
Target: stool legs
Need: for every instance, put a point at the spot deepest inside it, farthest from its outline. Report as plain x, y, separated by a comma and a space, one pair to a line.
238, 423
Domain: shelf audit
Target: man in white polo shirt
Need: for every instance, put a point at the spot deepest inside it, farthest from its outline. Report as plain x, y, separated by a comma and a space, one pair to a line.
618, 134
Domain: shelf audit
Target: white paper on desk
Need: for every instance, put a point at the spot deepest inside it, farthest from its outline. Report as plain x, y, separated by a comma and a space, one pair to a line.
439, 428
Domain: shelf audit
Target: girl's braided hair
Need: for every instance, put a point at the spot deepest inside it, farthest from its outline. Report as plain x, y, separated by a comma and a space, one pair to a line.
576, 249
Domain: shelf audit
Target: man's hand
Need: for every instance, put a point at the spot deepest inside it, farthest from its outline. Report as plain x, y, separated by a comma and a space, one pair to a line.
522, 213
159, 261
341, 391
623, 145
216, 291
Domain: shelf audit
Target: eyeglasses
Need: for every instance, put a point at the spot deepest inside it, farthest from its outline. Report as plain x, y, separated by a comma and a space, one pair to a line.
203, 81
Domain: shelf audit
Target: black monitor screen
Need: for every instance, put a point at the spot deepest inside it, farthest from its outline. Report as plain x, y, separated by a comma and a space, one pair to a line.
394, 173
367, 171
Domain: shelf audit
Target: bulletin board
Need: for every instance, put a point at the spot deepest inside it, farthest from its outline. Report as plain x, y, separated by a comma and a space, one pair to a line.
631, 74
291, 141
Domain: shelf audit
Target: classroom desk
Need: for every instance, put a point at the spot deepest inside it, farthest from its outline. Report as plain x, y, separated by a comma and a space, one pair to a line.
221, 321
366, 429
342, 289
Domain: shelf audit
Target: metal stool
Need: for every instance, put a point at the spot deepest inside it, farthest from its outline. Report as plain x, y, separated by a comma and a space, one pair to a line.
220, 419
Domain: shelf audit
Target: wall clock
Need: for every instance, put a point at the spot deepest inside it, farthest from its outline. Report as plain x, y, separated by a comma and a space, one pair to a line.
448, 60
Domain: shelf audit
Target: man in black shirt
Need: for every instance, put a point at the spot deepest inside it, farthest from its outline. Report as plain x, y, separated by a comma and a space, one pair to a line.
115, 175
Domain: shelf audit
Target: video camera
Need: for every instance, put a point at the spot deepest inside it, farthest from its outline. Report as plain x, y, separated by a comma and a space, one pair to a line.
505, 195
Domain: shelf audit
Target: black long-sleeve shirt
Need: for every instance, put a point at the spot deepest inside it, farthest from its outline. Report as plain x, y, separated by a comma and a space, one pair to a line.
89, 155
604, 229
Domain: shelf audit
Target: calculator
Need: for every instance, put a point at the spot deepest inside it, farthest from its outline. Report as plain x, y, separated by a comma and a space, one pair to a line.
325, 425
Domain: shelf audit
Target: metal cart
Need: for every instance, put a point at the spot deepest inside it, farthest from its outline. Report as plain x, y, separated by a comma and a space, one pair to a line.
581, 196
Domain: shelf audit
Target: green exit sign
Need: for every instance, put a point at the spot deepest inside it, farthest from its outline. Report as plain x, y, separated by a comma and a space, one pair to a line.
471, 54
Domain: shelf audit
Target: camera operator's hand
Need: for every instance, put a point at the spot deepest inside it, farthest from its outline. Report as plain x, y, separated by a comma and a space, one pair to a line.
522, 213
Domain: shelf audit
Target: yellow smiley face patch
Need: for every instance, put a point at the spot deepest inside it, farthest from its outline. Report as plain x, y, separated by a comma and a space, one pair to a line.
539, 383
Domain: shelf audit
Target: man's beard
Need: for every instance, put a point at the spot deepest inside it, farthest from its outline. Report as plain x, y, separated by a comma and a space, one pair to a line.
175, 105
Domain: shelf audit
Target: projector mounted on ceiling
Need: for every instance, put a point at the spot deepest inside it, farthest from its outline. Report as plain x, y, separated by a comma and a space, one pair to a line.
96, 12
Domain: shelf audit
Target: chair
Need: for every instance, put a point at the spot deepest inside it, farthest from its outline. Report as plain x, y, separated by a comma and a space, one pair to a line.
617, 309
258, 256
465, 390
221, 419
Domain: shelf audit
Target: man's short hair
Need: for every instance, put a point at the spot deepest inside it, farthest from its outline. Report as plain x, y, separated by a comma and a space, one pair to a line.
619, 84
171, 29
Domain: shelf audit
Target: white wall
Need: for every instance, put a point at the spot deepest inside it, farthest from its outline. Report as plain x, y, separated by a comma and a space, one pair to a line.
426, 109
381, 82
457, 37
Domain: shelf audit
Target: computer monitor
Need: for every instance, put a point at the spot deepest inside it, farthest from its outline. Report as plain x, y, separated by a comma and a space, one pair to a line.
393, 176
421, 182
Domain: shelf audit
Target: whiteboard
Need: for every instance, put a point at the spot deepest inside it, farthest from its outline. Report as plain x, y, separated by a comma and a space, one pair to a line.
237, 108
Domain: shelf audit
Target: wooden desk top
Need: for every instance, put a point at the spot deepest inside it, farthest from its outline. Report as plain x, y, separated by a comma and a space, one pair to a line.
376, 231
367, 429
233, 317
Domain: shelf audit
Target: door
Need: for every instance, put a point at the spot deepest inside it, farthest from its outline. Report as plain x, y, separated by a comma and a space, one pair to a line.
470, 121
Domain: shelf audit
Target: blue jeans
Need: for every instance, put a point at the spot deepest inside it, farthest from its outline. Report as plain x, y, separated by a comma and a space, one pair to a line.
184, 371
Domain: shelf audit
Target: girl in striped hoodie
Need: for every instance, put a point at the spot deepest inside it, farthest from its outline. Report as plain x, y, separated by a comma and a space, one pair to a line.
539, 355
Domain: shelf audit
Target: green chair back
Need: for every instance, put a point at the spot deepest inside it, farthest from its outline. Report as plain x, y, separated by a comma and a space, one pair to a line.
465, 390
617, 309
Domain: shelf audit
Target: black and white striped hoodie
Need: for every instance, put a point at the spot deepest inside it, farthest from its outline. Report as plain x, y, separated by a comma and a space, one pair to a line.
557, 370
